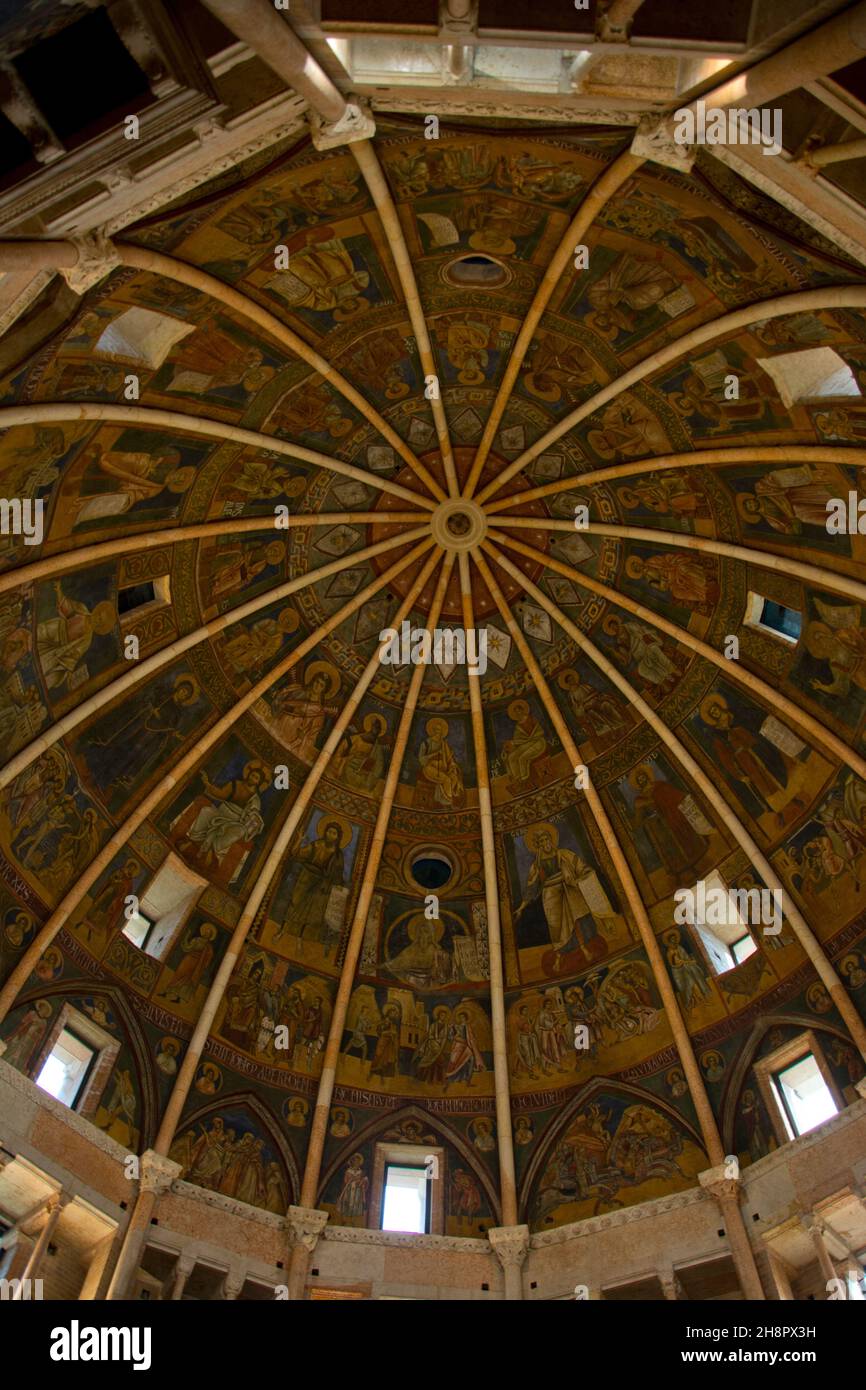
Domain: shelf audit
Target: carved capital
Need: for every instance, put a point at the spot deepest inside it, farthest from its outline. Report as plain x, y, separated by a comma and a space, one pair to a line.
860, 1087
511, 1244
305, 1225
157, 1172
457, 19
654, 139
717, 1182
812, 1225
97, 257
356, 123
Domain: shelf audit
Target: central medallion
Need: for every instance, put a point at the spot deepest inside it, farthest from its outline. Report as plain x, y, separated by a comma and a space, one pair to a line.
458, 524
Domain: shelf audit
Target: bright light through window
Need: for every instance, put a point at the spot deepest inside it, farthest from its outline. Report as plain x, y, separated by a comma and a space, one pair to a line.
65, 1068
405, 1207
806, 1094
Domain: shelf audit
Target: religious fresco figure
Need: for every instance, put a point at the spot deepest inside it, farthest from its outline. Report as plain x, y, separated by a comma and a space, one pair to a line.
439, 766
674, 826
352, 1201
23, 1040
323, 277
362, 758
123, 748
423, 962
251, 650
197, 953
571, 894
22, 712
837, 639
246, 1001
625, 291
464, 1057
628, 429
787, 499
641, 650
689, 976
297, 712
215, 832
236, 568
597, 711
431, 1056
385, 1061
64, 641
134, 477
527, 743
691, 580
751, 760
323, 867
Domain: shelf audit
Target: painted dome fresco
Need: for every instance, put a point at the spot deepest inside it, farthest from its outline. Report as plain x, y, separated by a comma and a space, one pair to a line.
433, 646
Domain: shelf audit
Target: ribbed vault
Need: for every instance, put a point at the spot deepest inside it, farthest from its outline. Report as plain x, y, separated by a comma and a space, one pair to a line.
428, 365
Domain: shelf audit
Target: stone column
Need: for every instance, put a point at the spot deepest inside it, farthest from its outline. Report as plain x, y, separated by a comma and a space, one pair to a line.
815, 1229
726, 1190
781, 1278
182, 1270
671, 1286
232, 1285
8, 1248
157, 1175
37, 1254
511, 1244
305, 1225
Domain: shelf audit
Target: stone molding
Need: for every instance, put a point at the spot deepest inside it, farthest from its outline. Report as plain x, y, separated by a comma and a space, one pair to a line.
643, 1211
511, 1244
16, 1079
459, 103
305, 1225
781, 1156
351, 1235
193, 1193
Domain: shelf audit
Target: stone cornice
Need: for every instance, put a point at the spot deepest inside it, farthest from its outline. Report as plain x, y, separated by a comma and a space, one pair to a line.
11, 1076
643, 1211
781, 1157
350, 1235
192, 1193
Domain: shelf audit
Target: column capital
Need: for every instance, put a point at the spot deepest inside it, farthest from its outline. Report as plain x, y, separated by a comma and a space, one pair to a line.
511, 1244
232, 1285
356, 123
157, 1172
305, 1225
654, 139
718, 1182
860, 1087
97, 257
812, 1224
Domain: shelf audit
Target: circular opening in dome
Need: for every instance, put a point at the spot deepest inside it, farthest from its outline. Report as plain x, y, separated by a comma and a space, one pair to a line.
431, 868
481, 272
458, 524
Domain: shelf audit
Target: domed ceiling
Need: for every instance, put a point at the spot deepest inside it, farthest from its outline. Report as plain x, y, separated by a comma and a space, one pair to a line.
171, 431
